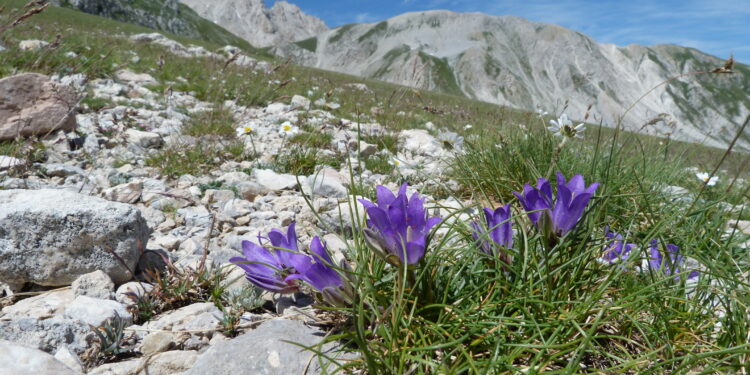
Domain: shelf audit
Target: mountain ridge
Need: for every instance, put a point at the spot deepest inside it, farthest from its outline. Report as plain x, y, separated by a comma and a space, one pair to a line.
513, 61
259, 25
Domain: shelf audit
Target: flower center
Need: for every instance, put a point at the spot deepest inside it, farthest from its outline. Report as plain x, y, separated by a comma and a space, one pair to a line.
287, 128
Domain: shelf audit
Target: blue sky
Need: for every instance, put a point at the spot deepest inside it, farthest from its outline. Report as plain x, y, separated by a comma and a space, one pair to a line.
713, 26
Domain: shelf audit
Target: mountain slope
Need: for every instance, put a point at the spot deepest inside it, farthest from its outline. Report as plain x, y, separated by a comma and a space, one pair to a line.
261, 26
512, 61
164, 15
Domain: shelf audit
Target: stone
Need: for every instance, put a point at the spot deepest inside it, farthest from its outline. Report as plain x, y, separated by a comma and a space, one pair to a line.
325, 183
152, 261
124, 193
144, 139
265, 351
367, 149
8, 162
217, 196
33, 104
19, 359
273, 181
141, 79
32, 45
276, 108
69, 359
170, 363
48, 335
198, 316
96, 284
233, 178
248, 190
157, 342
419, 142
300, 102
51, 237
168, 242
43, 306
743, 226
96, 311
62, 170
236, 208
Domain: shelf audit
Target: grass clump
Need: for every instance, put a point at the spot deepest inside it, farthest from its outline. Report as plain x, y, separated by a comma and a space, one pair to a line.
217, 122
387, 141
175, 161
303, 161
317, 140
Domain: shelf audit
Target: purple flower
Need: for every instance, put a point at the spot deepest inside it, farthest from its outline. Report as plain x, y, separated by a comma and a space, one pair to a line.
617, 250
272, 268
317, 271
559, 216
497, 234
671, 265
398, 226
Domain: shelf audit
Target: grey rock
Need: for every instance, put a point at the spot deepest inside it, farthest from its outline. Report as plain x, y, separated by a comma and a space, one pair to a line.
197, 316
32, 104
196, 216
68, 358
274, 181
248, 190
18, 360
144, 139
62, 170
300, 102
96, 311
96, 284
141, 79
48, 334
326, 183
233, 178
51, 237
124, 193
43, 306
262, 351
8, 162
217, 196
157, 342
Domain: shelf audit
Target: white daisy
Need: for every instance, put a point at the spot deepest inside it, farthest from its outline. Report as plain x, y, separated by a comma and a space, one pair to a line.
246, 129
707, 179
450, 140
468, 127
288, 129
563, 127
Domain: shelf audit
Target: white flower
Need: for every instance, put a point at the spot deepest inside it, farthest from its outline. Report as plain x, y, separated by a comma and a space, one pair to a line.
468, 127
71, 55
396, 163
451, 140
540, 112
707, 179
563, 127
246, 129
287, 128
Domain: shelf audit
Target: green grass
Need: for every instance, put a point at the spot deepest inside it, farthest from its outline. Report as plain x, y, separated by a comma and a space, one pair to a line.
217, 122
310, 44
317, 140
298, 160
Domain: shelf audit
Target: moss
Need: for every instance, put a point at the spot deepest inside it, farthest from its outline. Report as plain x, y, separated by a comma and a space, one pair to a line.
340, 33
443, 75
374, 31
310, 44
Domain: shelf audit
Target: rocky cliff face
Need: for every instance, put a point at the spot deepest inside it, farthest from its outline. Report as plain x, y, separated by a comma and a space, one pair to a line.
516, 62
261, 26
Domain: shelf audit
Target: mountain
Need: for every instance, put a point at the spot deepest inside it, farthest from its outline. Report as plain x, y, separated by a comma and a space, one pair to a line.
516, 62
259, 25
164, 15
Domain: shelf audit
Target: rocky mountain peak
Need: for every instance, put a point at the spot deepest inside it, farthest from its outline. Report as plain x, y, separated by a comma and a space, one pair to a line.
258, 24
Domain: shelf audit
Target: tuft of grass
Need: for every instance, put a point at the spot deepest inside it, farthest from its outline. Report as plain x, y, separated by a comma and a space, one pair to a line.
197, 159
383, 141
303, 161
217, 122
317, 140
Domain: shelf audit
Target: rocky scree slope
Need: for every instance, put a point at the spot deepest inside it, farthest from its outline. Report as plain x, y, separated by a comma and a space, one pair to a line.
512, 61
259, 25
163, 15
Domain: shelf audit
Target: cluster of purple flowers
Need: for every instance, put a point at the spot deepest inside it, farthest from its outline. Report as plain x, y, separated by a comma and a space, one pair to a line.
278, 267
398, 227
